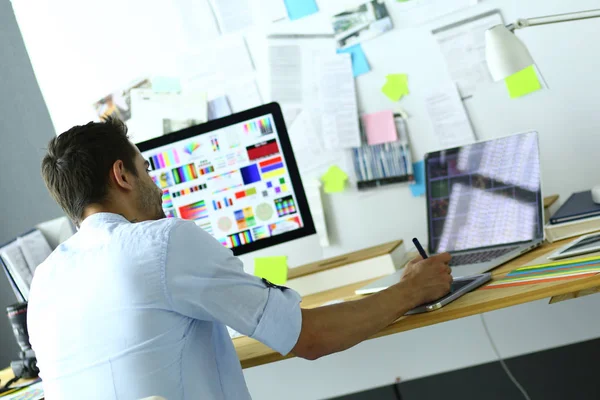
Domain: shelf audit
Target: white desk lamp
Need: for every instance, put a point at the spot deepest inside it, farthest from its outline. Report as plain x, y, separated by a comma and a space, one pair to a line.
505, 52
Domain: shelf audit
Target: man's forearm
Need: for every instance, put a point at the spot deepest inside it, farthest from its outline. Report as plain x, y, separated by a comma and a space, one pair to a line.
334, 328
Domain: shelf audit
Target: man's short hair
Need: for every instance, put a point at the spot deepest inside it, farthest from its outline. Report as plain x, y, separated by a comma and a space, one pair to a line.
77, 165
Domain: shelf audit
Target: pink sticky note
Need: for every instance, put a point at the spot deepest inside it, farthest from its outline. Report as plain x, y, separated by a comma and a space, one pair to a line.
380, 127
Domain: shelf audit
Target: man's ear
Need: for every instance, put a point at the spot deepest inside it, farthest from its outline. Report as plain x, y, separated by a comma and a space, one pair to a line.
122, 177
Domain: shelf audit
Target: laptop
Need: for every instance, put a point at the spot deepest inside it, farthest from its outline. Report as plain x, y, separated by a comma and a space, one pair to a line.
484, 204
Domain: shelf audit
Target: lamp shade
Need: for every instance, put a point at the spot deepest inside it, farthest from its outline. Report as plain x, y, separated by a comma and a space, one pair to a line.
505, 53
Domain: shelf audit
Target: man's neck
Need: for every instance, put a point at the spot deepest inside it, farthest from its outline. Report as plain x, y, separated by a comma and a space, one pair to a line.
98, 208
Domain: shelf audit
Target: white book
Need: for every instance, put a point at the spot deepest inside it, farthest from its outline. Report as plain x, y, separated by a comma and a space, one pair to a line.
347, 269
555, 232
35, 248
17, 266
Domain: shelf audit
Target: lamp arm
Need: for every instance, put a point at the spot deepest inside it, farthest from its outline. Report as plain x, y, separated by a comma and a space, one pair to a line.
552, 19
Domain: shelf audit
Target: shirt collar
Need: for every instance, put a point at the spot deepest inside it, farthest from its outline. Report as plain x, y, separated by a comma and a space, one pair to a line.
102, 217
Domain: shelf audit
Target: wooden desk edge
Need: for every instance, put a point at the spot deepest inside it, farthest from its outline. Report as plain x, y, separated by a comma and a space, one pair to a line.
265, 355
253, 353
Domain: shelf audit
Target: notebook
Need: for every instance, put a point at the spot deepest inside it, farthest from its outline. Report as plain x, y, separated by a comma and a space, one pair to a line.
579, 206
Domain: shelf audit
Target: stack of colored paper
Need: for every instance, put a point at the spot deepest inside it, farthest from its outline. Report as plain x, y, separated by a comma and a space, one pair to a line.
561, 270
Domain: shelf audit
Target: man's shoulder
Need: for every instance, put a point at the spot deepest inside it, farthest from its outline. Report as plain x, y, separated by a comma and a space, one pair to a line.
164, 225
165, 228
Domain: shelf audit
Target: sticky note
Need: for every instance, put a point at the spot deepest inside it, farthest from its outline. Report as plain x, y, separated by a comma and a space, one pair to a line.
380, 127
418, 188
334, 180
396, 86
360, 64
165, 84
300, 8
273, 269
523, 82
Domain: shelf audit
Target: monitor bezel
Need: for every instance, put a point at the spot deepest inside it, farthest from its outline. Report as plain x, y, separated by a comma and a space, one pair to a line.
274, 109
539, 235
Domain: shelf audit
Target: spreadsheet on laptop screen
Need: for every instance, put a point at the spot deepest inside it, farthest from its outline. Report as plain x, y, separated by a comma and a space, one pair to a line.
484, 194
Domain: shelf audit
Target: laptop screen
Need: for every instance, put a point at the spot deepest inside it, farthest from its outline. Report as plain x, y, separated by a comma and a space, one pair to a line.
484, 194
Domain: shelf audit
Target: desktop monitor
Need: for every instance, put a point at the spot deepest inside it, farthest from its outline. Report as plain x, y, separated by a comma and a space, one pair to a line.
235, 177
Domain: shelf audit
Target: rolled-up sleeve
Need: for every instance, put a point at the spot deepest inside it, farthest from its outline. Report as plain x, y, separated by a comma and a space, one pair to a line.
203, 280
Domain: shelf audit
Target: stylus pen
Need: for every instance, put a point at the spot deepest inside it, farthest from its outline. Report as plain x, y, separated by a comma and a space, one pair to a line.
419, 248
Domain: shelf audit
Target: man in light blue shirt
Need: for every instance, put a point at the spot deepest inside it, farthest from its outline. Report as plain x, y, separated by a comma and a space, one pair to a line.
136, 305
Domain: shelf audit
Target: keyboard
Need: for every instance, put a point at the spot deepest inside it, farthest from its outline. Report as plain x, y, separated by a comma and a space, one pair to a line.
479, 257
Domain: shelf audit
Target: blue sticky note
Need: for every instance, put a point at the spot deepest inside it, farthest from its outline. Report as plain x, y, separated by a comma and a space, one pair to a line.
360, 64
418, 188
165, 84
300, 8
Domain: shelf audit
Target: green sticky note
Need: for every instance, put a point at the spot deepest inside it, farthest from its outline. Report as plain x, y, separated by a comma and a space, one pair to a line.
397, 77
523, 82
396, 86
273, 269
334, 180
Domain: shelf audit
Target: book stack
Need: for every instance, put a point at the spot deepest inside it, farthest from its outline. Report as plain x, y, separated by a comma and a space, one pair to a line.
579, 215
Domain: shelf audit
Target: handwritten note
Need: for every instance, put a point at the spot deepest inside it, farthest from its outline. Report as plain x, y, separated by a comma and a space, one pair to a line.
334, 180
448, 116
380, 127
274, 269
523, 82
339, 118
300, 8
396, 86
418, 188
360, 64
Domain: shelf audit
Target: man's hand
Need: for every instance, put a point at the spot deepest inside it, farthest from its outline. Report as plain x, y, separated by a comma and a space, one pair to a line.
428, 279
334, 328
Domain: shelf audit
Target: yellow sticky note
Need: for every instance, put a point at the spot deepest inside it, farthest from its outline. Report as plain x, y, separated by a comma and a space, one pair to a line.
523, 82
396, 86
273, 269
334, 180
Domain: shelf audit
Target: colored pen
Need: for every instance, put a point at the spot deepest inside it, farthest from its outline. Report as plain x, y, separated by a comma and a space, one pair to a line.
419, 248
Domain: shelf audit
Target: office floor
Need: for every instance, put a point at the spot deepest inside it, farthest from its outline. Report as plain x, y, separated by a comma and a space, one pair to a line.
569, 372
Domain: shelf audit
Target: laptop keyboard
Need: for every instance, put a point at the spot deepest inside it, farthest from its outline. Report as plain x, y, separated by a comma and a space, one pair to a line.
479, 257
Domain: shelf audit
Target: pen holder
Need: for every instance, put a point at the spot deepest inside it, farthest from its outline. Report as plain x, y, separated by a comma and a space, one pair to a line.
386, 163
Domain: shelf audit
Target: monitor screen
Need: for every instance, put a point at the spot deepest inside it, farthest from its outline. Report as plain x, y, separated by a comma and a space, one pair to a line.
235, 177
484, 194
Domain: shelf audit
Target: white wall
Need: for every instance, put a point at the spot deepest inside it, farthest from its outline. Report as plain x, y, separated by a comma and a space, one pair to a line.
80, 50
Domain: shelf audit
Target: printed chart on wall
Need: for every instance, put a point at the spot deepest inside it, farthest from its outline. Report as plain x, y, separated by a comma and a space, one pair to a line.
233, 182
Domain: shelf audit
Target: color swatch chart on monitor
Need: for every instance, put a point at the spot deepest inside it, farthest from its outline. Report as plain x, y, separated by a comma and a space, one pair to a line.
232, 182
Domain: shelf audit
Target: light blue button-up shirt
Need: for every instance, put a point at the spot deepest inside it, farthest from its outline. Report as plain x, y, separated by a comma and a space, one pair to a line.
129, 310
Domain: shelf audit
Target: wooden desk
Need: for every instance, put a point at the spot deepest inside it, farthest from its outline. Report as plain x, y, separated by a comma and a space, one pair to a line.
253, 353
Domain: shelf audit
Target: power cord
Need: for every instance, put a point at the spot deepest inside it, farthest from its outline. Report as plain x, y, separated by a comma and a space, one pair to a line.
502, 363
397, 391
